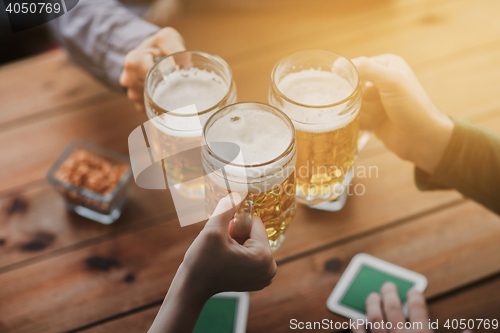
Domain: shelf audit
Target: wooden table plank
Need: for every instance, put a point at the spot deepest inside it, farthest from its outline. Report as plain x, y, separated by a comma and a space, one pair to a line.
479, 67
315, 228
138, 322
389, 25
31, 149
68, 291
47, 82
72, 85
452, 248
309, 230
467, 88
36, 224
421, 32
442, 78
28, 162
395, 177
238, 32
80, 285
480, 301
465, 85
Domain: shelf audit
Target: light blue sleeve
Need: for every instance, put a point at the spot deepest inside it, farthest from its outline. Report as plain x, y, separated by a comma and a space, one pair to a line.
98, 34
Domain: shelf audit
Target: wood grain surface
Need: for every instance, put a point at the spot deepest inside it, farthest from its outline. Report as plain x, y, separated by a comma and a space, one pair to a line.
62, 273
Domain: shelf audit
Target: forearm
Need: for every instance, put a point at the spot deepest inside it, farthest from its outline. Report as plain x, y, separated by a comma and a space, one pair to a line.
98, 34
434, 137
182, 305
470, 164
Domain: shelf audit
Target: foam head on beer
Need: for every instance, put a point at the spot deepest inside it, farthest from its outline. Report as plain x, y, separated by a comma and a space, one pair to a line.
190, 86
261, 137
185, 87
315, 87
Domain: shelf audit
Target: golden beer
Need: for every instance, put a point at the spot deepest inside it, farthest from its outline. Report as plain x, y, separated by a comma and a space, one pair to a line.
265, 173
320, 91
172, 85
275, 207
183, 167
323, 161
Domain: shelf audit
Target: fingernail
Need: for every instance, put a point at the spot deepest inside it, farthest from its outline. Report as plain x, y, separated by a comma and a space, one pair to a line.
372, 295
412, 290
389, 285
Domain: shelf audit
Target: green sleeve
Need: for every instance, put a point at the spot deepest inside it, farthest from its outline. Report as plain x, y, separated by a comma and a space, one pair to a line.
470, 164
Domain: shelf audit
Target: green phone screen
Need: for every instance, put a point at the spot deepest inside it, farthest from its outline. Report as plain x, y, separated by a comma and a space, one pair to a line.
370, 280
218, 316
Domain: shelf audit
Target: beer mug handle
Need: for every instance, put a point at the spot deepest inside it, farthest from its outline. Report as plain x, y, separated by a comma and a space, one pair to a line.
364, 135
363, 138
243, 220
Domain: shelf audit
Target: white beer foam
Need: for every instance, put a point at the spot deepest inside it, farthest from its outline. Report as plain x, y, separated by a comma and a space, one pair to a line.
262, 137
315, 87
185, 87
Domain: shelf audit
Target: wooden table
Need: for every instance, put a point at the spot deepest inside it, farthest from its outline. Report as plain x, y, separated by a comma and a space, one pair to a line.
60, 272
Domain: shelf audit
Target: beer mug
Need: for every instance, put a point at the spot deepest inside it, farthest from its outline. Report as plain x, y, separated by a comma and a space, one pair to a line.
265, 172
174, 83
320, 91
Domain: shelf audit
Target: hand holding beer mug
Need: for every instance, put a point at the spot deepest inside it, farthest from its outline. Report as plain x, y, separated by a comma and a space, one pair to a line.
264, 170
139, 61
401, 114
215, 263
320, 91
173, 83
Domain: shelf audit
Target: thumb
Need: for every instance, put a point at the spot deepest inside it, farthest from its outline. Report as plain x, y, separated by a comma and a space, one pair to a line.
243, 221
383, 77
146, 61
225, 210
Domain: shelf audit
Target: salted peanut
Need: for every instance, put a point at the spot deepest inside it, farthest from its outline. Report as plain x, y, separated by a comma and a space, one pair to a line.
86, 169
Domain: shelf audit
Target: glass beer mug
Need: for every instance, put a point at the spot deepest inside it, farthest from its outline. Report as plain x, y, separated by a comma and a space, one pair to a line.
320, 91
265, 172
176, 81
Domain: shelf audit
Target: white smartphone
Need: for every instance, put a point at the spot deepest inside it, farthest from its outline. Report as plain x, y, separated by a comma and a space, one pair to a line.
366, 274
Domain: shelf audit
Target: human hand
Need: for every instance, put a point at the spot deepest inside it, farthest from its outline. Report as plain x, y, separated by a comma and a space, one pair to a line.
217, 262
397, 109
139, 60
385, 308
